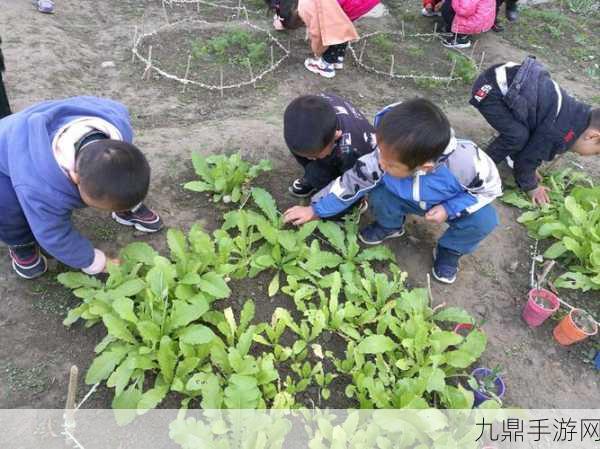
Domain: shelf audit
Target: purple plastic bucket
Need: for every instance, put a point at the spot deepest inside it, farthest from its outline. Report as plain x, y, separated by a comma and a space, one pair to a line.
480, 396
533, 314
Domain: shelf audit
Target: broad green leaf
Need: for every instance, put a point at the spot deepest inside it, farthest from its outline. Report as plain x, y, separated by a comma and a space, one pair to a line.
125, 405
151, 398
128, 288
266, 203
577, 212
376, 344
555, 250
117, 328
139, 252
184, 313
177, 244
201, 167
247, 314
149, 331
517, 199
198, 186
380, 252
121, 376
214, 285
196, 334
453, 315
274, 285
76, 280
103, 365
242, 392
334, 235
555, 229
124, 308
167, 359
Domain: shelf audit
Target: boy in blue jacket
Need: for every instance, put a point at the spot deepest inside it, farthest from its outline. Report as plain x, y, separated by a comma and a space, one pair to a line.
62, 155
419, 168
536, 120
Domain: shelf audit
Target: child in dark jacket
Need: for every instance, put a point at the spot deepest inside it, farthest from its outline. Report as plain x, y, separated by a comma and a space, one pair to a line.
62, 155
419, 168
326, 135
4, 105
536, 120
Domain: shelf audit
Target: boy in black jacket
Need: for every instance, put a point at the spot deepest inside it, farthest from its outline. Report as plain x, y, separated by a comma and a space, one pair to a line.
536, 119
326, 134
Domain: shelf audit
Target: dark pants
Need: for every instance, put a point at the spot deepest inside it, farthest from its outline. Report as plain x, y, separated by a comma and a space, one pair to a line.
335, 53
448, 15
14, 229
320, 172
463, 235
4, 105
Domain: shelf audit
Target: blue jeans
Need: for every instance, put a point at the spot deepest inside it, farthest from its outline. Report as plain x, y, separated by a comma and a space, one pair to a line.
14, 229
462, 237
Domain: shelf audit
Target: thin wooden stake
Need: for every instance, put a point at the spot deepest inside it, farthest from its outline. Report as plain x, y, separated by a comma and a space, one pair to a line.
135, 34
452, 72
392, 68
198, 7
473, 50
187, 72
251, 73
221, 76
165, 11
246, 14
71, 397
148, 64
403, 35
239, 9
429, 290
272, 57
362, 50
435, 25
481, 62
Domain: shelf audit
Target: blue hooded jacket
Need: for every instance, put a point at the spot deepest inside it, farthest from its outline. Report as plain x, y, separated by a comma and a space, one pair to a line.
46, 195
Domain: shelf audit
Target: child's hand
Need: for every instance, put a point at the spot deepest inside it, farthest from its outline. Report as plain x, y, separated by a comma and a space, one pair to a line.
539, 195
437, 214
538, 176
438, 6
112, 261
277, 24
298, 215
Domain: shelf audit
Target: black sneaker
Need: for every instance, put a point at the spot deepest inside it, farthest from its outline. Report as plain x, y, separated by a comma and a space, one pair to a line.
300, 189
512, 11
142, 218
498, 27
27, 261
457, 41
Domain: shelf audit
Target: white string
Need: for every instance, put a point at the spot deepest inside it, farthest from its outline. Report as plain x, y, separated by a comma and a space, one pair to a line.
87, 396
149, 65
394, 75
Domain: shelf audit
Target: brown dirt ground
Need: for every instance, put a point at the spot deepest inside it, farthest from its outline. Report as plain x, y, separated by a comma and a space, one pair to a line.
61, 55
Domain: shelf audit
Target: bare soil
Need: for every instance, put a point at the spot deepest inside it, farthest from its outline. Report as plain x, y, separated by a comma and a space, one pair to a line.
61, 55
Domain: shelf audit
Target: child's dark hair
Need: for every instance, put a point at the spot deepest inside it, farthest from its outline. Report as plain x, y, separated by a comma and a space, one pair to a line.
417, 131
595, 119
286, 9
309, 125
113, 171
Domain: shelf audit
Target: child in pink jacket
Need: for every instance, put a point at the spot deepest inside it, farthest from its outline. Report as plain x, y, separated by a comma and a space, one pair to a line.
465, 18
329, 27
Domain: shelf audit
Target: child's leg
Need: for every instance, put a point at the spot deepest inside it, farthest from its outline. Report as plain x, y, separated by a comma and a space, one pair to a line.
14, 229
464, 234
448, 15
389, 212
16, 233
333, 52
462, 237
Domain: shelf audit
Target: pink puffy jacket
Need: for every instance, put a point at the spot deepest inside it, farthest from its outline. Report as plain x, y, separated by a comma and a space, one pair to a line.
355, 9
473, 16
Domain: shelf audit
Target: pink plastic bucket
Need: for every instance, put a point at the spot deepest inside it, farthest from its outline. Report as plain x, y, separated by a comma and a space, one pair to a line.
534, 314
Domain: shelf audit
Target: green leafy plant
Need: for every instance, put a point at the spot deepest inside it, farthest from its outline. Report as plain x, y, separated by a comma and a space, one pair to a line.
227, 177
465, 68
573, 219
236, 45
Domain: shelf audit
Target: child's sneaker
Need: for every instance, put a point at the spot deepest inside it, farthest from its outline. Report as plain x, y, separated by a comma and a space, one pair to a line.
339, 65
457, 41
319, 66
445, 265
301, 189
429, 12
374, 234
27, 261
142, 218
497, 27
44, 6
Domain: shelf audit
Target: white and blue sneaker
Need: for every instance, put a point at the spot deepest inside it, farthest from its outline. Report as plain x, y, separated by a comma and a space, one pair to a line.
445, 265
320, 67
374, 234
